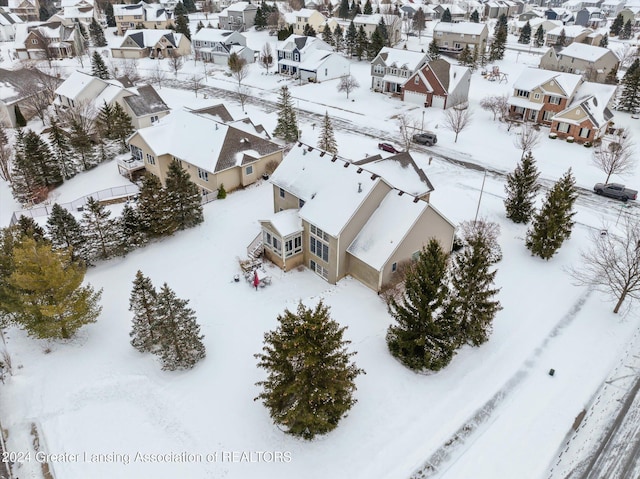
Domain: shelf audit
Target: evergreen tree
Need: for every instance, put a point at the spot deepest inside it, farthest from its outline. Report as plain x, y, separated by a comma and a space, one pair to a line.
111, 19
425, 336
47, 298
552, 224
308, 31
327, 35
604, 41
287, 125
182, 26
61, 150
100, 230
28, 228
562, 39
97, 34
630, 97
98, 67
434, 50
446, 16
499, 43
155, 218
189, 5
419, 22
65, 232
384, 33
612, 76
343, 9
310, 375
472, 286
539, 37
350, 39
521, 188
338, 38
327, 140
38, 152
180, 341
121, 126
104, 121
180, 9
20, 120
143, 304
222, 193
368, 9
260, 20
362, 43
130, 230
82, 145
27, 184
616, 26
375, 45
626, 30
475, 17
183, 198
466, 57
525, 34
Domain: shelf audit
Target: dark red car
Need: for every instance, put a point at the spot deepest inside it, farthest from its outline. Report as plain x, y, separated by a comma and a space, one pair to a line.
388, 147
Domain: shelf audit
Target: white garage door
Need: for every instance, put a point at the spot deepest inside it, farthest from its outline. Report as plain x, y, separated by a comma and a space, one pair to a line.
414, 97
437, 102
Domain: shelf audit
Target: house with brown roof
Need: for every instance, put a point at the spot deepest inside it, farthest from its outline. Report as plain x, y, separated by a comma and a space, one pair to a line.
340, 218
214, 153
438, 84
49, 41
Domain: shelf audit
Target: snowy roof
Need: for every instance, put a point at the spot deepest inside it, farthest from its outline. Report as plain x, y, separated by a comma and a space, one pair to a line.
125, 10
12, 83
203, 142
145, 101
75, 84
531, 78
402, 58
570, 31
373, 19
333, 189
73, 3
217, 113
303, 44
286, 222
107, 95
470, 28
594, 99
583, 51
239, 7
149, 37
7, 18
213, 35
400, 171
314, 59
454, 9
305, 12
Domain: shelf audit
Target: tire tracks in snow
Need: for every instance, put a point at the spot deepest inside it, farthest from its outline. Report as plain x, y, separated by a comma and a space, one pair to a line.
440, 461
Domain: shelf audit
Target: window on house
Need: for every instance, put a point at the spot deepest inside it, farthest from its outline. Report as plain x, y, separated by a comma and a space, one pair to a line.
135, 152
296, 57
563, 127
281, 193
394, 267
416, 80
554, 100
536, 96
546, 116
248, 170
438, 34
154, 119
150, 159
319, 269
301, 203
379, 69
415, 256
457, 45
34, 41
293, 246
203, 175
319, 248
326, 71
522, 93
584, 133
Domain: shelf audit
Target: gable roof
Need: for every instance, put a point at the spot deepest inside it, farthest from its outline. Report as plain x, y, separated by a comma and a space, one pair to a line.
400, 171
145, 101
583, 51
402, 58
570, 31
594, 100
214, 35
217, 113
149, 37
531, 78
468, 28
305, 12
303, 44
75, 84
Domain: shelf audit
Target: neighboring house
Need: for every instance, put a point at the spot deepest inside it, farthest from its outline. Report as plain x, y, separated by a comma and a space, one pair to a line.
392, 67
630, 13
496, 8
595, 63
214, 45
306, 16
238, 16
539, 94
73, 11
27, 10
141, 15
534, 23
561, 14
8, 22
342, 219
408, 10
438, 84
214, 153
295, 49
370, 22
152, 43
611, 8
529, 15
142, 103
49, 41
321, 65
588, 116
572, 33
452, 38
457, 12
590, 17
16, 86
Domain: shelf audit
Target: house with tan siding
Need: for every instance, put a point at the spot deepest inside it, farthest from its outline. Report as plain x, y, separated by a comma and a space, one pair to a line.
214, 153
307, 16
572, 33
452, 38
152, 43
141, 15
438, 84
595, 63
340, 219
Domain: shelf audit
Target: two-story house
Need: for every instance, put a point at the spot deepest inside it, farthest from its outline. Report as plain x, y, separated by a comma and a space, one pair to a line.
8, 22
452, 38
369, 24
214, 45
27, 10
572, 33
457, 12
595, 63
238, 16
515, 28
392, 67
438, 84
76, 11
307, 16
141, 15
340, 219
293, 51
213, 152
152, 43
49, 41
539, 94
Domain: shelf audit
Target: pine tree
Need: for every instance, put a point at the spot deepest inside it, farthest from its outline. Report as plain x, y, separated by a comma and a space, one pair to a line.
47, 298
111, 19
327, 140
180, 9
121, 127
384, 33
553, 223
104, 121
525, 34
182, 26
604, 41
100, 230
434, 50
466, 57
521, 188
375, 45
616, 26
562, 39
183, 198
350, 39
20, 120
539, 37
97, 34
630, 97
310, 375
308, 31
189, 5
446, 16
626, 30
65, 232
130, 230
338, 38
424, 337
343, 9
82, 145
259, 21
327, 35
27, 227
61, 150
155, 218
143, 304
222, 193
39, 153
475, 17
180, 341
362, 42
27, 184
98, 67
368, 9
499, 44
287, 125
472, 285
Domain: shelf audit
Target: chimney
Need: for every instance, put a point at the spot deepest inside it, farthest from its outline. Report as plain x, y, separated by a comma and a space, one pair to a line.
359, 187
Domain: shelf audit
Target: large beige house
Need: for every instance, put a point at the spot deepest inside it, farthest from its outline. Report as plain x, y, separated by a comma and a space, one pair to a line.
214, 152
152, 43
340, 219
141, 15
306, 16
595, 63
369, 24
452, 38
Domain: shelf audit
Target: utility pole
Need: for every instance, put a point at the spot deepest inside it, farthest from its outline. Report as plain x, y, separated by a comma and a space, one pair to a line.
480, 198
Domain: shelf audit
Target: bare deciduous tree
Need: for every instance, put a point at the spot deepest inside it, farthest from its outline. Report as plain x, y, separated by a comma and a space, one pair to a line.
527, 138
488, 230
175, 63
612, 265
408, 126
347, 84
39, 91
615, 157
128, 68
496, 104
243, 94
158, 76
266, 57
457, 118
83, 114
196, 84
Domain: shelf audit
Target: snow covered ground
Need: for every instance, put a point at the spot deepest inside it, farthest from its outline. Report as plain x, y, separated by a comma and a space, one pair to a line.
97, 395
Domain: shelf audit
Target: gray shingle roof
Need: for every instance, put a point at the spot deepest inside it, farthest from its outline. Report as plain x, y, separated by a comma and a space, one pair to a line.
146, 102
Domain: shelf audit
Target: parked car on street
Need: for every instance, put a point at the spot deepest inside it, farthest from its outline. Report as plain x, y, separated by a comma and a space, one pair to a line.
428, 138
388, 147
615, 190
